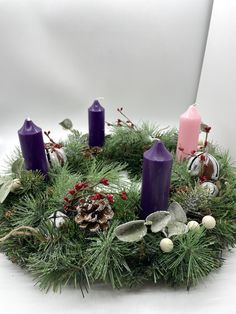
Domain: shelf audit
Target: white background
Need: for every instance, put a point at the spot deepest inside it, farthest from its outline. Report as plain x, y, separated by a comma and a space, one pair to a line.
216, 95
57, 56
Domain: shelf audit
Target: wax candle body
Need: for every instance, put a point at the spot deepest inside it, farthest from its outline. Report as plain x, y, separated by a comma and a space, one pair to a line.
96, 115
157, 165
189, 129
32, 147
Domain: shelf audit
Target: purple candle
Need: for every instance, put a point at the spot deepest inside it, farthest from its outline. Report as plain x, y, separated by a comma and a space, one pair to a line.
157, 164
32, 147
96, 115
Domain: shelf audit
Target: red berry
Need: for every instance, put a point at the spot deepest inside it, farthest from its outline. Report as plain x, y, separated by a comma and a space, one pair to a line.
124, 197
72, 191
181, 149
203, 179
97, 196
66, 199
104, 181
110, 198
207, 129
202, 158
78, 186
206, 143
193, 152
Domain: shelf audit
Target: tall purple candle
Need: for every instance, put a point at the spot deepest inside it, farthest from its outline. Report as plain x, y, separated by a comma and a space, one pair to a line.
32, 147
96, 116
157, 165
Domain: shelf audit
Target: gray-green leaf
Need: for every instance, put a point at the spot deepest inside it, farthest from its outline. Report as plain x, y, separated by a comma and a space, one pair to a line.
5, 190
131, 231
17, 166
176, 228
66, 124
159, 220
4, 180
177, 213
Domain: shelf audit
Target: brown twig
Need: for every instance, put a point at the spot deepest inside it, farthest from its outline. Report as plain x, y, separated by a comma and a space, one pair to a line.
29, 231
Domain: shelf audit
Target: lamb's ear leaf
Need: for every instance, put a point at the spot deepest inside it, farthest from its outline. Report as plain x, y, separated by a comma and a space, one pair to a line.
5, 190
131, 231
17, 166
158, 220
176, 228
66, 124
177, 213
4, 180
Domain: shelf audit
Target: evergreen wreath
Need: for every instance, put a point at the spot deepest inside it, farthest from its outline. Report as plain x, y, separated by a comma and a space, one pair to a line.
81, 225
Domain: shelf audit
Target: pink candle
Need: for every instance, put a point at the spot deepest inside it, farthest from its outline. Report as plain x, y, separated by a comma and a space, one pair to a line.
189, 129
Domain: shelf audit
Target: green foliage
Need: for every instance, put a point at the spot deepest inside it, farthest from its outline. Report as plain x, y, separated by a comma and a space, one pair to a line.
74, 147
180, 176
30, 210
100, 169
31, 182
169, 137
61, 181
105, 258
128, 210
71, 256
192, 259
127, 145
56, 265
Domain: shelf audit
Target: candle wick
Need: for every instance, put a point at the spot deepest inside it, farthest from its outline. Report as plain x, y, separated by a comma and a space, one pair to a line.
28, 119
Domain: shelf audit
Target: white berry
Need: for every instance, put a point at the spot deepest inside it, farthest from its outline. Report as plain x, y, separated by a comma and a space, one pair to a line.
166, 245
208, 222
16, 185
193, 225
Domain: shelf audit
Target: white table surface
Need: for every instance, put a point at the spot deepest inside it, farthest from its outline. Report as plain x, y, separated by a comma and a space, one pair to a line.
215, 295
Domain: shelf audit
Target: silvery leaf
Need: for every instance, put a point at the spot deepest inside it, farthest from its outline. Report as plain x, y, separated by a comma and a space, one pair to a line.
177, 213
5, 190
66, 124
17, 166
176, 228
131, 231
158, 220
4, 180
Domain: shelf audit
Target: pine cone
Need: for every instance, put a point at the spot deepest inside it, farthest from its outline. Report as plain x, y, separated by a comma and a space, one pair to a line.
94, 215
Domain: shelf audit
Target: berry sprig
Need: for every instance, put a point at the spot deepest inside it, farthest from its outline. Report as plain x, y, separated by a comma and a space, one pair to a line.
121, 122
52, 144
81, 190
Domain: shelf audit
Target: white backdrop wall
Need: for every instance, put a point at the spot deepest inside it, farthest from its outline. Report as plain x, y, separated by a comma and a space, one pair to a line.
217, 90
57, 56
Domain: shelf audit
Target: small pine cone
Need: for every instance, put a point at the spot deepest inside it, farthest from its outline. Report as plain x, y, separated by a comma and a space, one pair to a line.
94, 215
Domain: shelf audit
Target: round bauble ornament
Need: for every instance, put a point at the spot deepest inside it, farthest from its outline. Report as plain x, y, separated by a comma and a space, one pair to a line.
58, 218
193, 225
166, 245
210, 187
203, 164
16, 185
56, 156
209, 222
